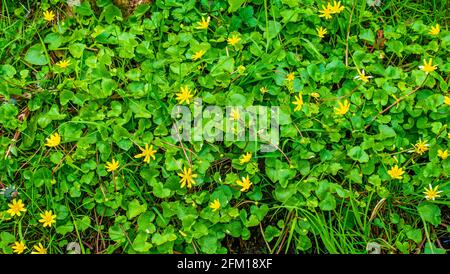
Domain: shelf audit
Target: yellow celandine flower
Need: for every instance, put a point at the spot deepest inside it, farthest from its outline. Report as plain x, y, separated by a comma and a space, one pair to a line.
48, 218
148, 153
447, 100
245, 158
298, 102
263, 90
39, 249
204, 23
111, 166
396, 173
432, 193
16, 208
187, 177
19, 247
315, 95
326, 12
233, 40
321, 32
362, 76
215, 205
245, 183
198, 55
241, 69
443, 154
235, 114
49, 15
448, 135
435, 30
343, 108
63, 64
54, 140
421, 147
184, 95
428, 67
336, 8
290, 76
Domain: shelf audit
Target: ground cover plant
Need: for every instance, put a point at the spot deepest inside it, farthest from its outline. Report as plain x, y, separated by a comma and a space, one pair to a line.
89, 165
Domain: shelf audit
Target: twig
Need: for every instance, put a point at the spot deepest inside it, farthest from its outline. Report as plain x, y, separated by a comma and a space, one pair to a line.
348, 34
419, 248
264, 237
182, 146
394, 104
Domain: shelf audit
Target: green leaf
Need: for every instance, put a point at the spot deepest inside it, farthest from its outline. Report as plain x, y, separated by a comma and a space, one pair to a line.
415, 235
111, 12
386, 132
41, 176
36, 55
140, 243
135, 209
116, 234
368, 35
328, 203
83, 224
273, 30
432, 249
358, 154
76, 49
235, 5
430, 213
64, 229
271, 232
108, 85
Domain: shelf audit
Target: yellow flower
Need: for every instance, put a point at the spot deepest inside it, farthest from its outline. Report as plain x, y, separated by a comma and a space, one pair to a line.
321, 32
263, 90
395, 172
49, 15
184, 95
298, 102
215, 205
290, 77
54, 140
447, 100
39, 249
432, 193
48, 218
435, 30
233, 40
111, 166
245, 183
343, 108
187, 177
443, 154
19, 247
421, 147
326, 12
235, 114
336, 8
16, 208
245, 158
203, 24
148, 153
362, 76
428, 67
315, 95
241, 69
198, 55
63, 64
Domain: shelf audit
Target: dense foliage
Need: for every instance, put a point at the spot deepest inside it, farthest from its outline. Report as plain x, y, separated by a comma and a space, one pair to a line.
361, 164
